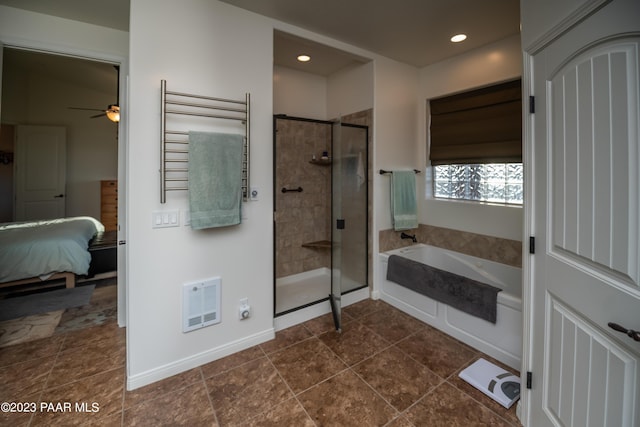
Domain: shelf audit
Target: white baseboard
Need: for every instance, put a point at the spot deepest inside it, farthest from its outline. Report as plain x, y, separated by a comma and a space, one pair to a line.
166, 371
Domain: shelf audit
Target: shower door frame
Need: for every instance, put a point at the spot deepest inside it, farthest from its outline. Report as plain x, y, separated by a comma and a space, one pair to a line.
276, 117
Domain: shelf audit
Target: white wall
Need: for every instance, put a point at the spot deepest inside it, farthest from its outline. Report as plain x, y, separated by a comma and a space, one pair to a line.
216, 50
497, 62
44, 32
395, 135
350, 90
299, 94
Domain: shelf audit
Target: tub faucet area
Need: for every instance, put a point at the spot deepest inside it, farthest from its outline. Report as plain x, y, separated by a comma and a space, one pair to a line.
404, 235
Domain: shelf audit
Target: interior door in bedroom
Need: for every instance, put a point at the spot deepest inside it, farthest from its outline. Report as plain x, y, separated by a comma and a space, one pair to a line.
40, 172
586, 220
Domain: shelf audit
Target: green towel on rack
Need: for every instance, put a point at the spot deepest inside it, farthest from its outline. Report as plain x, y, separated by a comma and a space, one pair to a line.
215, 179
404, 210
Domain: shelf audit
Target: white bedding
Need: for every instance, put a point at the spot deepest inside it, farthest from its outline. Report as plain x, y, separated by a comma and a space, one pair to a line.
41, 248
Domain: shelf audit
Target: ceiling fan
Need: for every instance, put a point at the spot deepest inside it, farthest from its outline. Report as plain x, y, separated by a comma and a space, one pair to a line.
112, 112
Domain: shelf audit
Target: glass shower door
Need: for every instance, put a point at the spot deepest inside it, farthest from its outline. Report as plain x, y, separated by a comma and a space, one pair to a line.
349, 237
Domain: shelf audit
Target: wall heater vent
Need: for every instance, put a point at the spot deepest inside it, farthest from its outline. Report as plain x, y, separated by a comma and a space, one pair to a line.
201, 304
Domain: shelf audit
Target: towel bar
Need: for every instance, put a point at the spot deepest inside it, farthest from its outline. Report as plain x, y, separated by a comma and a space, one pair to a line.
383, 172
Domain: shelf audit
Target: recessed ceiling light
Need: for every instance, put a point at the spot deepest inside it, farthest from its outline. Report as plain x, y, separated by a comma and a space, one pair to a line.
458, 38
304, 58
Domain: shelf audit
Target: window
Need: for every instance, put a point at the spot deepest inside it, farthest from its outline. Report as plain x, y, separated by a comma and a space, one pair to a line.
476, 144
490, 182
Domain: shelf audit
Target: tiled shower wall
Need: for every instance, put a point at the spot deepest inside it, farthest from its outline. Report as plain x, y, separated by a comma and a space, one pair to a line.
301, 217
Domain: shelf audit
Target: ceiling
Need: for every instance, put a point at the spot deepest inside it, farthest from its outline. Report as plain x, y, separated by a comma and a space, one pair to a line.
111, 14
415, 32
92, 75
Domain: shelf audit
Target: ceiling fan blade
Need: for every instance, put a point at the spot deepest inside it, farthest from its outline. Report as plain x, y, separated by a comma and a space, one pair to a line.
96, 116
86, 109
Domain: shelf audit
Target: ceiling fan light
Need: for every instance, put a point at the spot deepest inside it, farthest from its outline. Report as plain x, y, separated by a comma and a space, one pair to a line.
113, 113
458, 38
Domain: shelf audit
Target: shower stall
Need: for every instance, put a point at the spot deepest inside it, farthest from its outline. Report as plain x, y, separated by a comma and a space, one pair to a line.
321, 212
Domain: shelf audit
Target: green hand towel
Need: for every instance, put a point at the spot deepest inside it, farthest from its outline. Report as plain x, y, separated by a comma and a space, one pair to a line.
215, 179
404, 210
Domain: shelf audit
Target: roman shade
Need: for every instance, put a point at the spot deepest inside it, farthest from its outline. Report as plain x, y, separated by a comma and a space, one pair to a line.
479, 126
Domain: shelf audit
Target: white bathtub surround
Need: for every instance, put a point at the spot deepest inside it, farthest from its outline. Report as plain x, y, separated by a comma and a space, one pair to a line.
502, 340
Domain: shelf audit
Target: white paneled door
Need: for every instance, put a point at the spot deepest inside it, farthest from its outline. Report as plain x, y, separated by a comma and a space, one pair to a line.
40, 172
586, 222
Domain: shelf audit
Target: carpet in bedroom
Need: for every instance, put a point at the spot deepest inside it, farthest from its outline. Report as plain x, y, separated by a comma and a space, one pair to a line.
101, 309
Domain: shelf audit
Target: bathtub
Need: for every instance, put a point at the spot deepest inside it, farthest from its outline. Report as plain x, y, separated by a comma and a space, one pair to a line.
502, 340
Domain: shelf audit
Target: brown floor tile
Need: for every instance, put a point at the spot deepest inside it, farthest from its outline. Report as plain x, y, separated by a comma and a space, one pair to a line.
355, 343
81, 362
20, 418
285, 338
397, 364
108, 333
396, 377
447, 406
288, 413
160, 388
363, 308
306, 364
391, 324
30, 350
221, 365
189, 406
401, 421
91, 400
246, 391
23, 379
345, 400
437, 351
322, 324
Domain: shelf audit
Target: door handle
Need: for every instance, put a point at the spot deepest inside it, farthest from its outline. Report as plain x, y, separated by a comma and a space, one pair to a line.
59, 196
629, 332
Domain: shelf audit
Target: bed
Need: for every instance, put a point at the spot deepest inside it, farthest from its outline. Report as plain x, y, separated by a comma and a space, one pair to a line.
39, 251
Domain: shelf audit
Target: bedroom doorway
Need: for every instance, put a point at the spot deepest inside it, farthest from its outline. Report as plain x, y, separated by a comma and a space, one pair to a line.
54, 82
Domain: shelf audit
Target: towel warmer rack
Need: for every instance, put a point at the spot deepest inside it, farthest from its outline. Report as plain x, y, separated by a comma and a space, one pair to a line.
174, 152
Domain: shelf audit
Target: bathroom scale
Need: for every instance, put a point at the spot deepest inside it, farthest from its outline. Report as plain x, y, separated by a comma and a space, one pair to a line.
500, 385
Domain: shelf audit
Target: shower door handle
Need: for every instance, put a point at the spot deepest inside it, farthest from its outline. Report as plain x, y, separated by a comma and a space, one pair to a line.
340, 224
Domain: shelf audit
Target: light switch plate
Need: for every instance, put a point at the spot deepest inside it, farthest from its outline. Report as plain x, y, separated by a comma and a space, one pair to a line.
165, 219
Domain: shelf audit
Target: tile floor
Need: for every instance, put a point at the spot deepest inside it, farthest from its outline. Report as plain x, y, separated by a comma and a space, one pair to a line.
385, 369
